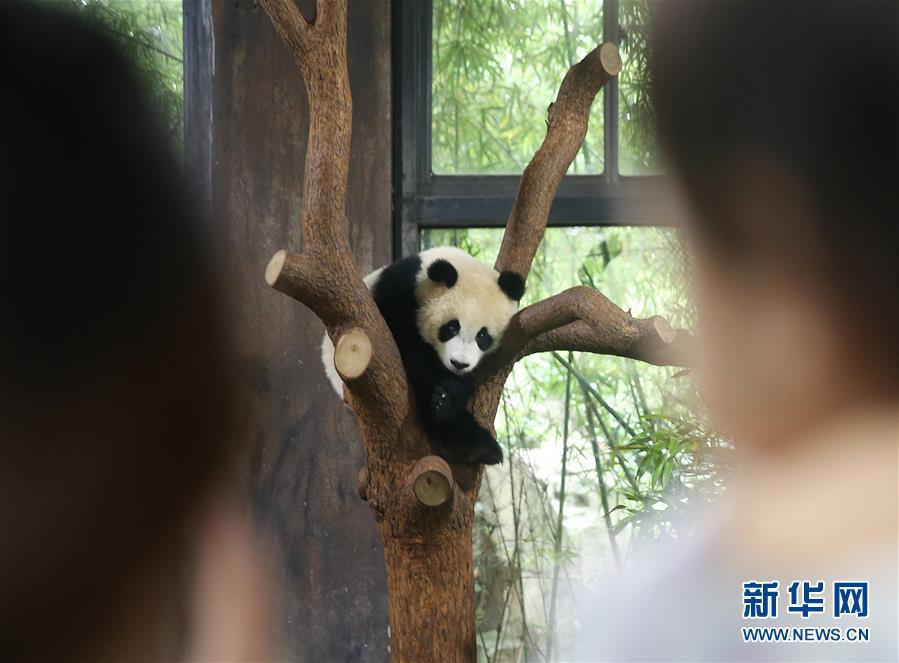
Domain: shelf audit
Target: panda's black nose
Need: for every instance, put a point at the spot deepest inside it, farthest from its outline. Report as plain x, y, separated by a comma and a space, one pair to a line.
459, 364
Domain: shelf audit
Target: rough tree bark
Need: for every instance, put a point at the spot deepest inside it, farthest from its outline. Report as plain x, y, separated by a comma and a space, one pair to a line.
424, 507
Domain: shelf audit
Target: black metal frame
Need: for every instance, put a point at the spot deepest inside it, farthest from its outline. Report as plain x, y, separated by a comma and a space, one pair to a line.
425, 200
198, 70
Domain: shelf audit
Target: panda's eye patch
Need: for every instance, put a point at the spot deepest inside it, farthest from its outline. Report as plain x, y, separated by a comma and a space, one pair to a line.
484, 339
448, 330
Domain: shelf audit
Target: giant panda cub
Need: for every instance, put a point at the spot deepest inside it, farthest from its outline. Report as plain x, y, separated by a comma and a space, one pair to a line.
446, 310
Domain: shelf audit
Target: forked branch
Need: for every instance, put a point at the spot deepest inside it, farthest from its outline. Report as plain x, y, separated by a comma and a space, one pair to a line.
425, 513
324, 276
293, 27
580, 318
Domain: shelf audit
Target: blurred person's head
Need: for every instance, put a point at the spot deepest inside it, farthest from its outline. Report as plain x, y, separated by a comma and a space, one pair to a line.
780, 121
113, 391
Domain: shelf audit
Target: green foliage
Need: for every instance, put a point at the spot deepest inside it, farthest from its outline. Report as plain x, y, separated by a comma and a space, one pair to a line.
497, 65
680, 464
149, 33
496, 69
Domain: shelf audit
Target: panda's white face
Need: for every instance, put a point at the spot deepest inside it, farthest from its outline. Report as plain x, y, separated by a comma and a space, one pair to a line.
464, 307
461, 347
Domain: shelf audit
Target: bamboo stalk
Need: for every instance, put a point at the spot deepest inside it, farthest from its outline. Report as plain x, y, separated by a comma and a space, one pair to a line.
585, 384
603, 491
557, 543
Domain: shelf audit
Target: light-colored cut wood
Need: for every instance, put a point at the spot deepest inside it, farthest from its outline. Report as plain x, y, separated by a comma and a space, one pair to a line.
432, 481
352, 354
273, 269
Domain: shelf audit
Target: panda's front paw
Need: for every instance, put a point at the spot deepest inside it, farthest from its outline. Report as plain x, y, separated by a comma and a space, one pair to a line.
441, 404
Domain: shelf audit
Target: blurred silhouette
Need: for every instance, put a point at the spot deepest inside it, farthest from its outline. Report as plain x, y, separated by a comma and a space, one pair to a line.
780, 123
114, 371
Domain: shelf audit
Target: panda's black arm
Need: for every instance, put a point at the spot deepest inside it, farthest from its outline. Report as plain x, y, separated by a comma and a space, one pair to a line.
464, 440
449, 397
423, 369
439, 393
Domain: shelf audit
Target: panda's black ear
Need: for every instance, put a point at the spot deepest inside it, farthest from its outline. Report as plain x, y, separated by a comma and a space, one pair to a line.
512, 284
442, 271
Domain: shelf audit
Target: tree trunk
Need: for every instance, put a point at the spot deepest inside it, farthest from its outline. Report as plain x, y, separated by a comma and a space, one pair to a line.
430, 581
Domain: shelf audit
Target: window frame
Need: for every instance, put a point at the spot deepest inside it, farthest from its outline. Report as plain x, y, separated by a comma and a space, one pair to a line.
423, 200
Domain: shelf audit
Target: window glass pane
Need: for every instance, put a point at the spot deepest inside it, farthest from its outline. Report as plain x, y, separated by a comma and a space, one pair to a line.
637, 456
497, 65
637, 154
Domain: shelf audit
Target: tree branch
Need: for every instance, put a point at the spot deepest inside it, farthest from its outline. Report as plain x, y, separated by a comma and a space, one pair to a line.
324, 276
566, 121
290, 23
582, 318
651, 340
